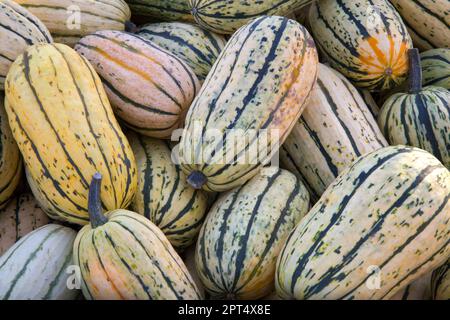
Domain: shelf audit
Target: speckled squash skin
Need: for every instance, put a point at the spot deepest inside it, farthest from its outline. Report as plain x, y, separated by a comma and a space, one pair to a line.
334, 130
66, 131
419, 289
260, 82
227, 16
377, 214
35, 267
198, 47
149, 88
20, 217
70, 20
18, 29
166, 10
428, 22
436, 67
367, 46
440, 282
244, 232
163, 194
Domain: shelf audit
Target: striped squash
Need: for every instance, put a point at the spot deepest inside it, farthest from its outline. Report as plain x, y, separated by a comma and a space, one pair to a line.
419, 117
149, 88
10, 159
244, 232
123, 255
66, 131
428, 21
377, 221
167, 10
370, 102
189, 261
163, 194
440, 282
365, 40
69, 20
18, 29
436, 68
250, 101
19, 218
334, 130
197, 47
419, 289
227, 16
36, 267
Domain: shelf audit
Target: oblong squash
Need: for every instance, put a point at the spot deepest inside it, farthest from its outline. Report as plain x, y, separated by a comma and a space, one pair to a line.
436, 68
66, 131
163, 194
365, 40
248, 103
334, 130
197, 47
149, 88
377, 221
166, 10
440, 282
69, 20
18, 29
36, 267
123, 255
244, 232
228, 16
19, 218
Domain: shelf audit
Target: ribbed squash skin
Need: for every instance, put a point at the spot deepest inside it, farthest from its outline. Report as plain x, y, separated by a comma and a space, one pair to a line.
428, 21
149, 88
436, 68
197, 47
189, 261
244, 232
420, 120
371, 54
66, 131
35, 267
334, 130
67, 24
370, 102
19, 218
167, 10
419, 289
130, 258
10, 159
18, 29
227, 16
440, 282
378, 213
163, 194
267, 94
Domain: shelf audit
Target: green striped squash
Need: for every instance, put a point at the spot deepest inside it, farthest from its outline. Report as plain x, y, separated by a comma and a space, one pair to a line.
124, 256
20, 217
227, 16
18, 29
428, 21
36, 267
248, 104
70, 20
419, 289
198, 47
436, 68
374, 230
166, 10
365, 40
419, 117
244, 232
163, 194
440, 282
334, 130
149, 88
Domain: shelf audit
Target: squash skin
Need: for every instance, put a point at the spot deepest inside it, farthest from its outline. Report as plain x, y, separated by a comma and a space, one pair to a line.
129, 239
173, 10
28, 30
419, 289
277, 61
383, 198
163, 194
440, 282
244, 233
44, 276
81, 136
371, 58
436, 68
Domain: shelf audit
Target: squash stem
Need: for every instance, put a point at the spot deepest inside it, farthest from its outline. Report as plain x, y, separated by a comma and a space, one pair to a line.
94, 202
415, 71
197, 179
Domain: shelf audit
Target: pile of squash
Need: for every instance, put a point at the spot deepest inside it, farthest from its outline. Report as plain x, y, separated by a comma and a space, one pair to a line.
139, 148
